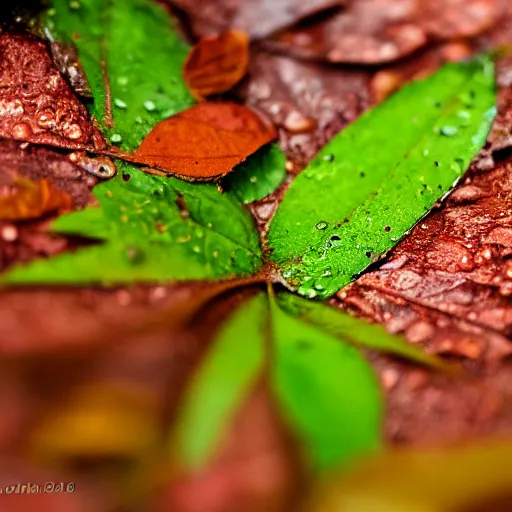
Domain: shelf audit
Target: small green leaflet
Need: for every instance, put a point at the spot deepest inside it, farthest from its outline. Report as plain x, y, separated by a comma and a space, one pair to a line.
327, 392
155, 229
141, 53
221, 384
258, 176
379, 176
354, 330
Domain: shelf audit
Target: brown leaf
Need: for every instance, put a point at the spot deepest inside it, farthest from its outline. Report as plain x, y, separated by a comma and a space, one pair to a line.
32, 199
36, 103
309, 103
258, 18
216, 63
204, 142
379, 31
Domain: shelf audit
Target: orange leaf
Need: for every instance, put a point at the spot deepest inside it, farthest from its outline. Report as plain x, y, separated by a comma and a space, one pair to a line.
204, 142
32, 199
216, 63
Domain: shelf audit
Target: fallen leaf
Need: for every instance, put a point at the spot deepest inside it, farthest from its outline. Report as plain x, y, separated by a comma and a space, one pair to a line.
258, 18
434, 480
380, 31
32, 199
204, 142
36, 103
351, 206
216, 63
307, 102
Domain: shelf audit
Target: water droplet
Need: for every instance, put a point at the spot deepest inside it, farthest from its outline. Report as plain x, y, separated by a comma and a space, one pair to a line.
123, 81
120, 103
199, 233
74, 5
321, 225
310, 293
21, 131
139, 120
196, 249
215, 254
327, 273
287, 274
149, 106
135, 255
184, 239
209, 225
448, 131
116, 138
253, 179
426, 152
73, 132
328, 158
319, 288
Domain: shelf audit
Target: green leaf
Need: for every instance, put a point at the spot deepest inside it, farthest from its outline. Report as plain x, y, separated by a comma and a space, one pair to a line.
221, 383
154, 229
327, 391
258, 176
379, 176
141, 52
354, 330
467, 477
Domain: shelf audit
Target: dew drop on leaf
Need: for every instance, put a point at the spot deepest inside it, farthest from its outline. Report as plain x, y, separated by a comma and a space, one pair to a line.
321, 225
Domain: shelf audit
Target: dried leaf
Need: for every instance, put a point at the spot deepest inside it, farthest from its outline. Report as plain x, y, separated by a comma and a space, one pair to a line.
258, 18
204, 142
36, 103
350, 206
379, 31
435, 480
216, 63
32, 199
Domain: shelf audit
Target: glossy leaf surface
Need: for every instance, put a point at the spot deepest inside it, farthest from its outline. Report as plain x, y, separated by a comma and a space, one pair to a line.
379, 176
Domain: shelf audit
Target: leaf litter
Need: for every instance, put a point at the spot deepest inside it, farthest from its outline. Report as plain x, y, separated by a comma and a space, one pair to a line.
426, 394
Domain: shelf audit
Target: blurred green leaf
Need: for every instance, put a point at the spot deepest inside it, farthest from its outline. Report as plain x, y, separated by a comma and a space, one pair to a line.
327, 392
221, 383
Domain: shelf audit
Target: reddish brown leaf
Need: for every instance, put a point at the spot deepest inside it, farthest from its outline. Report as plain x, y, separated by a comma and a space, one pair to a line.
36, 103
216, 63
204, 142
378, 31
259, 18
32, 199
309, 103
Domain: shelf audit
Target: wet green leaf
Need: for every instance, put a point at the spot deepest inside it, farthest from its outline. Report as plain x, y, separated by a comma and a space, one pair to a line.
435, 480
379, 176
354, 330
135, 45
221, 383
153, 229
258, 176
327, 391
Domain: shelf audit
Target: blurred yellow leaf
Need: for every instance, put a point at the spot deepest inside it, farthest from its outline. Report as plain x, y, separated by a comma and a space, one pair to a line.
440, 480
106, 420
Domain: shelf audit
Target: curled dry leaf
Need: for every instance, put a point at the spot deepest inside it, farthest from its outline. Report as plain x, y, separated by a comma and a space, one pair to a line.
204, 142
378, 31
216, 63
36, 103
32, 199
258, 18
